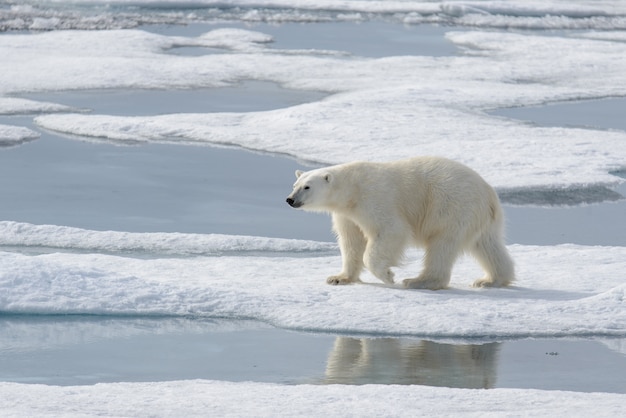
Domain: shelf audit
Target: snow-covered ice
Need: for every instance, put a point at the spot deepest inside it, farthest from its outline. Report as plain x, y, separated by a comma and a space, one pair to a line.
14, 135
565, 290
200, 398
60, 238
381, 109
16, 106
376, 108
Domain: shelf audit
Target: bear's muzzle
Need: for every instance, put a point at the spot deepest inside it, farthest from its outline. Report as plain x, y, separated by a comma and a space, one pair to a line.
293, 203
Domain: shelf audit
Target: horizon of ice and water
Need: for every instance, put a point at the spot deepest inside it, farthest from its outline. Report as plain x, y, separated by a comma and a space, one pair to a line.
130, 192
124, 14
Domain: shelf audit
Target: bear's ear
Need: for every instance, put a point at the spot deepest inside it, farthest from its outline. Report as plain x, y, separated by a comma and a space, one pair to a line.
299, 173
328, 177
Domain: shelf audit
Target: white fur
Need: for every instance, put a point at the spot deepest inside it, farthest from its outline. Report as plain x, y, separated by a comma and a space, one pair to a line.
379, 209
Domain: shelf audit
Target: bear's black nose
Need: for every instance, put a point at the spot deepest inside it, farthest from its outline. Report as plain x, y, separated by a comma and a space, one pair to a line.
290, 201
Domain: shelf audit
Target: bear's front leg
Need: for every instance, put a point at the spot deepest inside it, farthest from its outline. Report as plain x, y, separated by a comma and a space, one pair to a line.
352, 245
384, 252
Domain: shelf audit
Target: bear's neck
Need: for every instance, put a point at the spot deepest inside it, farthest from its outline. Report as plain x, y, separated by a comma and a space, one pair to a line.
345, 199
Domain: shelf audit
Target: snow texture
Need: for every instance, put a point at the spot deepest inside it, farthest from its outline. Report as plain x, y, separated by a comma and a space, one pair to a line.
14, 135
51, 237
16, 106
566, 290
200, 398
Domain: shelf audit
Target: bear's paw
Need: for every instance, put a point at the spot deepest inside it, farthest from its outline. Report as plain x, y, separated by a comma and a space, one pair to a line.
340, 280
421, 283
490, 282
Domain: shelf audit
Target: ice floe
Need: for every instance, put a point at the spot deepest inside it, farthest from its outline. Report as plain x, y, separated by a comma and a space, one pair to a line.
200, 398
14, 135
61, 238
565, 290
17, 106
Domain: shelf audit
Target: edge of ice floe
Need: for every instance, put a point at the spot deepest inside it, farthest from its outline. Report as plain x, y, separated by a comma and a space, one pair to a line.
50, 237
562, 291
14, 135
19, 106
233, 399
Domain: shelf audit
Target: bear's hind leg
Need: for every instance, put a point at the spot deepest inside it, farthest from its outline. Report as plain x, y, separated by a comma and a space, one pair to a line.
494, 258
438, 261
352, 245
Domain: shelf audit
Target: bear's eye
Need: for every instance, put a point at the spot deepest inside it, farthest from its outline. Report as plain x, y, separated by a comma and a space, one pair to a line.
306, 187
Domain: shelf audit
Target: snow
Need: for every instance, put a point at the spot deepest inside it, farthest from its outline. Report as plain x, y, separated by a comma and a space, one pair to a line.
379, 109
200, 398
13, 135
17, 106
14, 234
565, 290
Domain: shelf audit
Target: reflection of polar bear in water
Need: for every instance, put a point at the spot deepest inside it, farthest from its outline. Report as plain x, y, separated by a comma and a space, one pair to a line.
379, 209
412, 362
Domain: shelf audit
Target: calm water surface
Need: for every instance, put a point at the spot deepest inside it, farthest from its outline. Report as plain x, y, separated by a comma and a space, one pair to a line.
87, 350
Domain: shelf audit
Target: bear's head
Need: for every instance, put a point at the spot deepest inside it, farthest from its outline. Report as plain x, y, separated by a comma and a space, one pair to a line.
312, 190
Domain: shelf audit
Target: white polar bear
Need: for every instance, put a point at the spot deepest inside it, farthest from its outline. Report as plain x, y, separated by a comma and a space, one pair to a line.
379, 209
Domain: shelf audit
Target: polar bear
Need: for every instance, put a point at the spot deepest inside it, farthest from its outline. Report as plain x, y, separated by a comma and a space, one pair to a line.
379, 209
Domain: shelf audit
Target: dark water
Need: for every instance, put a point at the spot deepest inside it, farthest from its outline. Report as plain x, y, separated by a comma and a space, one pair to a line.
243, 97
156, 187
608, 113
